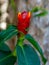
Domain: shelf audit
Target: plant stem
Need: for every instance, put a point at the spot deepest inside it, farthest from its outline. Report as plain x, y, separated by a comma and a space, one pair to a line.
20, 39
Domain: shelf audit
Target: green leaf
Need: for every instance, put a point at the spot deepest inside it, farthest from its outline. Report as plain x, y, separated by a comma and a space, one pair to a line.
4, 47
7, 34
26, 55
36, 46
13, 5
35, 9
6, 58
43, 13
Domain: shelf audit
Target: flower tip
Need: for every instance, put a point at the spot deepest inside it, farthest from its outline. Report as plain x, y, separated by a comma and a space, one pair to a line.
29, 14
19, 14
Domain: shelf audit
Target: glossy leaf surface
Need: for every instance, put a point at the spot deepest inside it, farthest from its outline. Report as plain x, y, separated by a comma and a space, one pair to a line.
6, 58
26, 55
8, 33
36, 46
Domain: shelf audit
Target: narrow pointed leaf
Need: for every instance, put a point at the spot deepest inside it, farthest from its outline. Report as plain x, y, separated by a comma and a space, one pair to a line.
35, 9
4, 47
43, 13
6, 58
26, 55
7, 34
36, 46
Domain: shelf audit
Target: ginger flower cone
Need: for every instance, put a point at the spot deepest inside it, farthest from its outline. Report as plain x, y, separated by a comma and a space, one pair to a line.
23, 21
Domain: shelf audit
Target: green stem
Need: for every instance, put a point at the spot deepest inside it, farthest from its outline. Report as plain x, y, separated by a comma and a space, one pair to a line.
21, 39
13, 5
19, 42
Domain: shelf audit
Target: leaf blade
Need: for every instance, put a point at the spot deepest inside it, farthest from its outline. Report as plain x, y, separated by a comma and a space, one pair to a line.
4, 48
36, 46
7, 34
7, 58
43, 13
38, 11
26, 54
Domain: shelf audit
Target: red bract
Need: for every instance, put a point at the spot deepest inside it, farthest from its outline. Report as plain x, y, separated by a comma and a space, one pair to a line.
23, 21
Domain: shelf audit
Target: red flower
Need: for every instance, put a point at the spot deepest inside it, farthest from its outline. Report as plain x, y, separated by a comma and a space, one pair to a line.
23, 21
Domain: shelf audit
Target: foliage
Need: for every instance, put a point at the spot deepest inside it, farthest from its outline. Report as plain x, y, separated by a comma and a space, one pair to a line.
25, 54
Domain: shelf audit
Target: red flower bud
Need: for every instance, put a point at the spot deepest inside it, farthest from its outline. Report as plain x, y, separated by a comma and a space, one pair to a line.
23, 21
